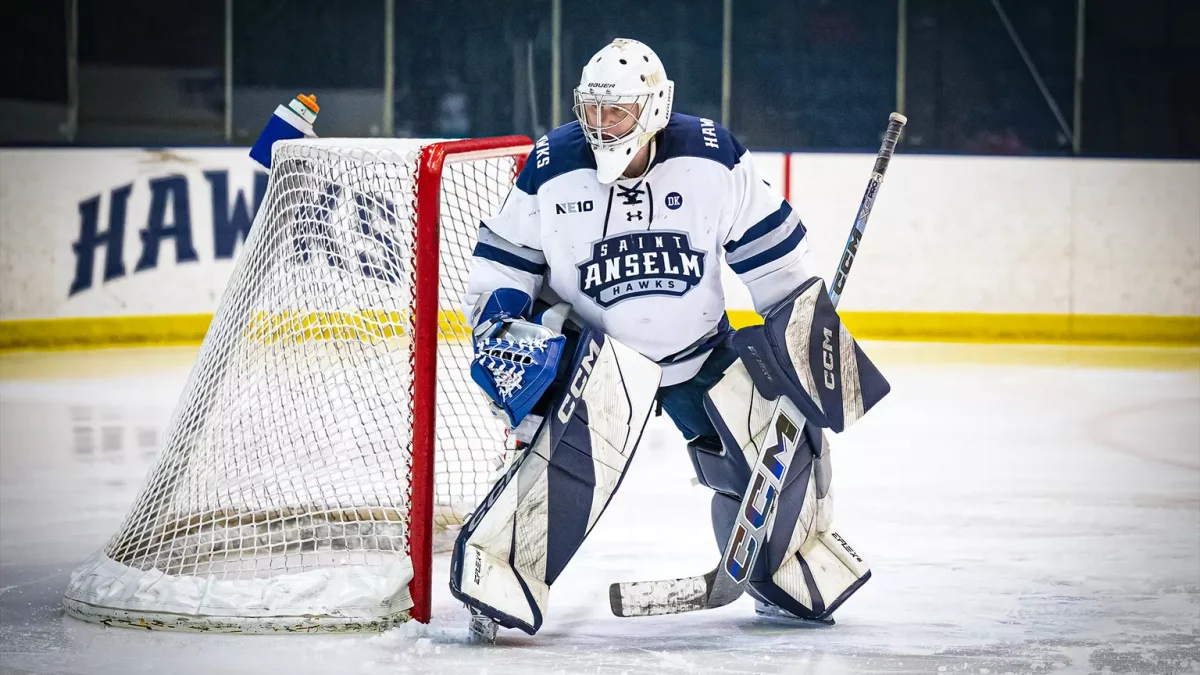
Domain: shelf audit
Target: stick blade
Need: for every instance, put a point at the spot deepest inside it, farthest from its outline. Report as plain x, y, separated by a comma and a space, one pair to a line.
723, 589
672, 596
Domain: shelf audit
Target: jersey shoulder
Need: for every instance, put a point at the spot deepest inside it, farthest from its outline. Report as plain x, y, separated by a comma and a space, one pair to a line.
688, 136
563, 150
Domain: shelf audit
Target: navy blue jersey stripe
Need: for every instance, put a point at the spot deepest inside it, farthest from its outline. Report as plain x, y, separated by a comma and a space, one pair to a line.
761, 228
772, 254
507, 259
486, 235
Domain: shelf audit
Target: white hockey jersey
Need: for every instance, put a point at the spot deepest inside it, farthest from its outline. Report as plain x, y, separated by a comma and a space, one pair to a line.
640, 258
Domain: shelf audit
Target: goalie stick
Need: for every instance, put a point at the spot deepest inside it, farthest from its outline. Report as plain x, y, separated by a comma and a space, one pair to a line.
722, 585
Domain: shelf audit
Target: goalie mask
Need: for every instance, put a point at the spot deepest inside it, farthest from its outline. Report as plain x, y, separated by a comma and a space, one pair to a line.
623, 99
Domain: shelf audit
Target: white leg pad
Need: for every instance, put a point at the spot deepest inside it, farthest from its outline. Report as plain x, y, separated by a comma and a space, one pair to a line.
520, 538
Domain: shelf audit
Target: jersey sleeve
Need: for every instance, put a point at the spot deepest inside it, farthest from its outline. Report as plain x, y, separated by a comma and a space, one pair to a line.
765, 243
508, 252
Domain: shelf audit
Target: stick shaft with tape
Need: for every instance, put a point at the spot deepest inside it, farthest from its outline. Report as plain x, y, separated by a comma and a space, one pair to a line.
891, 137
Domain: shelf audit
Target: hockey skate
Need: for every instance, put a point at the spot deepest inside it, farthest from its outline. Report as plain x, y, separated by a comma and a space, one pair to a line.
483, 628
766, 609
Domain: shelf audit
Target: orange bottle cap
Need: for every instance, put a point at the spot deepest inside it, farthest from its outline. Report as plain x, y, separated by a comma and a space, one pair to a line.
309, 101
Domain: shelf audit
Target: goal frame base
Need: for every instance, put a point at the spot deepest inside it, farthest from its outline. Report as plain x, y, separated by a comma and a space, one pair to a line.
200, 623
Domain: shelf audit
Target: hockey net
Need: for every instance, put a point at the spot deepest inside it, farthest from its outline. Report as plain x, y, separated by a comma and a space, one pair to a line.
329, 424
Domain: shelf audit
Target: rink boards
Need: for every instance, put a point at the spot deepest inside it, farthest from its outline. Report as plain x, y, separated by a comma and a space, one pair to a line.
135, 246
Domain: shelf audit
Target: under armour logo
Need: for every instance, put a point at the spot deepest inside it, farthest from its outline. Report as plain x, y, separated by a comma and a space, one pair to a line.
631, 195
633, 215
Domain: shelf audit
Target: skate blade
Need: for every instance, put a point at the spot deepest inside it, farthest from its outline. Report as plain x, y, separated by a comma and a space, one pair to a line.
482, 629
777, 614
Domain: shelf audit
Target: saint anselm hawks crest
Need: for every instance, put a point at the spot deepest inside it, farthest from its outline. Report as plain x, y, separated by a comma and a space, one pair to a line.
637, 264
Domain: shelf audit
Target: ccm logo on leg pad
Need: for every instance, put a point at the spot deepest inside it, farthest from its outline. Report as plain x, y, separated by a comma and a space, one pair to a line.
750, 526
578, 382
827, 359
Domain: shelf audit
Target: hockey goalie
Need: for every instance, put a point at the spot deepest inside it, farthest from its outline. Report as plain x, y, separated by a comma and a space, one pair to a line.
595, 297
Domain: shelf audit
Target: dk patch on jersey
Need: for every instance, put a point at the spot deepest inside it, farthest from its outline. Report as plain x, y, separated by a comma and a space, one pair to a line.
637, 264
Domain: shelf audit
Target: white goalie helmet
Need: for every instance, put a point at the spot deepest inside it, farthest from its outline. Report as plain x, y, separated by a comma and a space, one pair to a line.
622, 101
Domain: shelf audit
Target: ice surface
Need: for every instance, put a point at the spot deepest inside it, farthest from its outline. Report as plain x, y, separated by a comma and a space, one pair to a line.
1018, 518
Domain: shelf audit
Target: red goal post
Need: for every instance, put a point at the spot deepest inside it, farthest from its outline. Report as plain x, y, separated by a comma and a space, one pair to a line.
427, 206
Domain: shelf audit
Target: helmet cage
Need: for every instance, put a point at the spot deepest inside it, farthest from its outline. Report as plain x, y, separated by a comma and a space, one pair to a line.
598, 134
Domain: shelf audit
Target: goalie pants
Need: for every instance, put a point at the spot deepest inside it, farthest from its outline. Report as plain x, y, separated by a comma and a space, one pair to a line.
684, 402
728, 473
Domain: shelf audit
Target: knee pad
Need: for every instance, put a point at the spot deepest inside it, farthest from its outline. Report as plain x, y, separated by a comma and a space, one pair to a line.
719, 468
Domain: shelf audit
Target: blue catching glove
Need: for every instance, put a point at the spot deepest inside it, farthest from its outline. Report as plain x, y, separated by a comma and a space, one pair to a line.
494, 307
515, 360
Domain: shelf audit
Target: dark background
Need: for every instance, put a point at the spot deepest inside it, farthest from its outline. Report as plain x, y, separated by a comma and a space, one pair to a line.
805, 74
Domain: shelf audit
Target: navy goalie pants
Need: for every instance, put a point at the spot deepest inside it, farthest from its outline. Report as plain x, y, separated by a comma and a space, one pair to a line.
684, 402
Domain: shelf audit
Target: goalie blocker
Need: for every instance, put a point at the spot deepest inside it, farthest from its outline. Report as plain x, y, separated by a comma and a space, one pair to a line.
536, 516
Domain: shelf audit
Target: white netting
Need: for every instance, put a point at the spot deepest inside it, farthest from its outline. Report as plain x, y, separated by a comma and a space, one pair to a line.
283, 488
